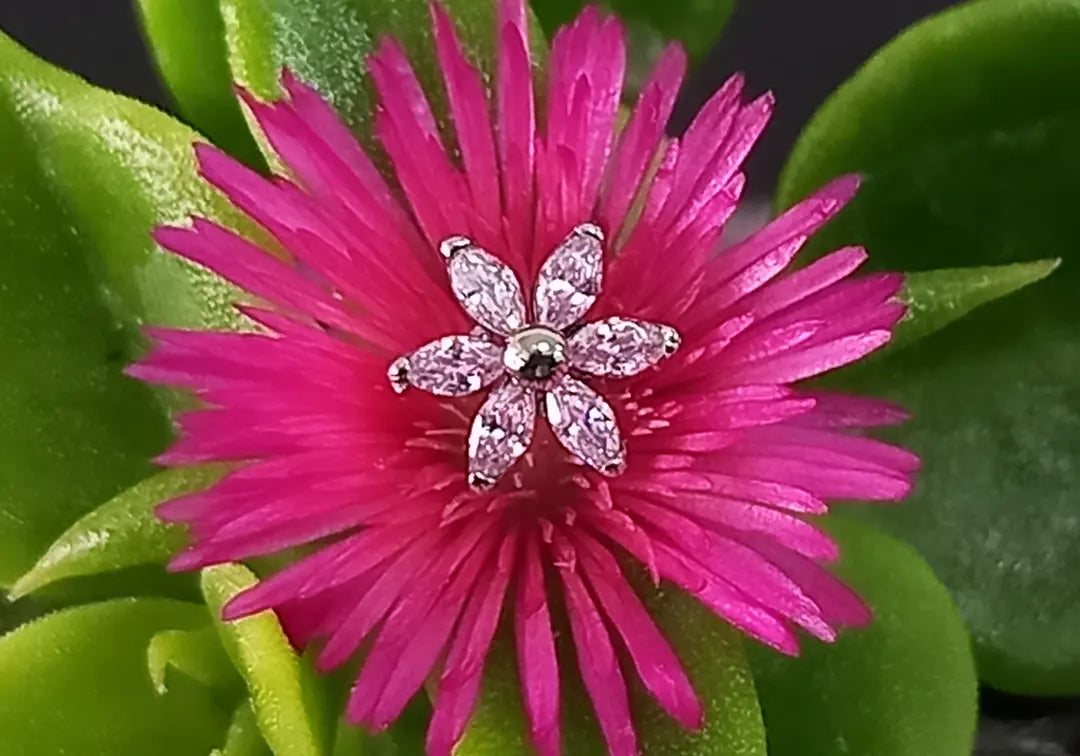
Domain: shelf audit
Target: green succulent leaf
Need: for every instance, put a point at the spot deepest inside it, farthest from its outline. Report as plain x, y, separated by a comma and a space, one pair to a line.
196, 653
187, 38
77, 683
715, 660
123, 532
326, 42
289, 700
936, 298
695, 23
244, 737
967, 164
904, 686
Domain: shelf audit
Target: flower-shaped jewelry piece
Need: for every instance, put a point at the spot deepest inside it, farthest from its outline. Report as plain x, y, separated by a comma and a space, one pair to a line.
532, 361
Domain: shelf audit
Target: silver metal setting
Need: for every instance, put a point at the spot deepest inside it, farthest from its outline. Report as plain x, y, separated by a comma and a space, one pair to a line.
542, 352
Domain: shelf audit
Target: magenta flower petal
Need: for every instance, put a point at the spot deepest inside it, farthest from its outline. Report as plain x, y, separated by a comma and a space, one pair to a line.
676, 433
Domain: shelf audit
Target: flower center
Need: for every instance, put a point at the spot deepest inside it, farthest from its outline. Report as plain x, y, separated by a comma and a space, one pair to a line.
535, 353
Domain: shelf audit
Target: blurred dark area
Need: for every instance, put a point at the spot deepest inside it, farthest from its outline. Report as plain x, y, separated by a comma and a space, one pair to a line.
801, 50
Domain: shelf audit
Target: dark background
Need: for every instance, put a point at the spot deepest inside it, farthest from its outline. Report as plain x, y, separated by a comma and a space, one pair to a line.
800, 49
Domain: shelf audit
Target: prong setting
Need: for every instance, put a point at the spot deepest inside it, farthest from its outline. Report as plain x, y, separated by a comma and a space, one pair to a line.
399, 375
590, 229
451, 246
672, 340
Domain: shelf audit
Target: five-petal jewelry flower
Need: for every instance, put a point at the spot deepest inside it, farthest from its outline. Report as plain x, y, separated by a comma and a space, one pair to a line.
533, 361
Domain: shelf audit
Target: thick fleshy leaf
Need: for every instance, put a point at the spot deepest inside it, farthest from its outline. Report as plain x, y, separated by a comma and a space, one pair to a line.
85, 176
187, 38
196, 653
76, 682
325, 43
904, 686
965, 163
936, 298
715, 661
123, 532
695, 23
286, 695
243, 737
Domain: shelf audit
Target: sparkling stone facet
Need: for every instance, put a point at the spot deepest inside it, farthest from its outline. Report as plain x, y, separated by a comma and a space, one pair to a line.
570, 278
535, 354
585, 425
621, 347
501, 432
487, 289
453, 365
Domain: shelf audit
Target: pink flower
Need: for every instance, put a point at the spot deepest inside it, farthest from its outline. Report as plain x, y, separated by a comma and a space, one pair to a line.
712, 461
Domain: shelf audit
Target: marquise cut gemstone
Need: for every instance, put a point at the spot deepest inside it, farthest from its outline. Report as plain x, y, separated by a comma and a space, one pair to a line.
585, 424
487, 290
454, 365
501, 432
621, 347
570, 278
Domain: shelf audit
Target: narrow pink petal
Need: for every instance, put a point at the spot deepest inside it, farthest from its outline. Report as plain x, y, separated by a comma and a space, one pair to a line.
365, 550
878, 454
409, 566
459, 683
805, 363
802, 283
414, 635
655, 660
839, 604
599, 667
833, 410
640, 140
252, 268
790, 231
537, 664
516, 125
740, 566
409, 134
472, 124
724, 600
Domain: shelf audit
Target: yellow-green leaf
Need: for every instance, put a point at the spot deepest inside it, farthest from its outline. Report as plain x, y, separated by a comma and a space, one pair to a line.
123, 532
76, 682
288, 699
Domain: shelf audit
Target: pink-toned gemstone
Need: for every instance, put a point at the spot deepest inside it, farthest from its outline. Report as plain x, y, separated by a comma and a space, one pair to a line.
501, 432
487, 289
621, 347
570, 278
453, 365
585, 425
